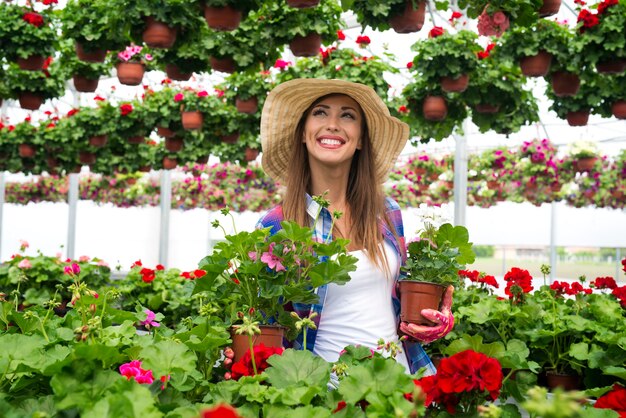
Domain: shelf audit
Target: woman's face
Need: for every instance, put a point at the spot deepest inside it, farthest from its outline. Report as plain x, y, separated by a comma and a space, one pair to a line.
332, 132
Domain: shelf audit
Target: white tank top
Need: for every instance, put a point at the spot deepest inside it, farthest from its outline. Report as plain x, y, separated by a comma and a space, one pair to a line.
361, 311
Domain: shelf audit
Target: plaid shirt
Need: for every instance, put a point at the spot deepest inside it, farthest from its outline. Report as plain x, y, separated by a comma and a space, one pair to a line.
416, 355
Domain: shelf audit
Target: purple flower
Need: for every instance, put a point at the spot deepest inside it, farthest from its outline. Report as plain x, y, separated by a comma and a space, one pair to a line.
149, 321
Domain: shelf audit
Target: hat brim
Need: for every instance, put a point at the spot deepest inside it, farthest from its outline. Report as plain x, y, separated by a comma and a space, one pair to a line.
286, 104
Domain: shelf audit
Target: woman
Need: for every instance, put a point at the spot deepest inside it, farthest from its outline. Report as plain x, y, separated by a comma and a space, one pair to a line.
336, 138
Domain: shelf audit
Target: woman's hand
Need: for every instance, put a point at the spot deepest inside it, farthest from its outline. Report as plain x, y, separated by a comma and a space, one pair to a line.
443, 319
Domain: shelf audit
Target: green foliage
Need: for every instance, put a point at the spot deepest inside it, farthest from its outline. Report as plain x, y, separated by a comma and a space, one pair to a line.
593, 87
605, 41
375, 14
20, 39
522, 12
484, 251
95, 24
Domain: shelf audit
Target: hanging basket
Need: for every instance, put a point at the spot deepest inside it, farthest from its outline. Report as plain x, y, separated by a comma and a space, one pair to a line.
585, 164
565, 84
619, 109
165, 132
224, 65
98, 141
549, 8
94, 55
32, 63
302, 4
615, 66
455, 85
130, 73
222, 18
536, 65
86, 157
579, 118
435, 108
487, 108
410, 20
192, 120
306, 46
174, 72
249, 106
230, 138
251, 154
173, 144
30, 101
270, 336
169, 163
26, 150
415, 296
158, 34
85, 85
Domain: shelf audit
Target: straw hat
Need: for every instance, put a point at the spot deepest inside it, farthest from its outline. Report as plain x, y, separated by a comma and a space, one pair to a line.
286, 104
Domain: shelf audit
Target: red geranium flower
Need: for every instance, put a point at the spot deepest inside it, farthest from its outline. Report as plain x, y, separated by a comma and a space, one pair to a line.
436, 31
261, 353
341, 36
605, 283
615, 400
470, 371
126, 108
363, 40
519, 282
147, 275
589, 19
220, 411
605, 5
33, 18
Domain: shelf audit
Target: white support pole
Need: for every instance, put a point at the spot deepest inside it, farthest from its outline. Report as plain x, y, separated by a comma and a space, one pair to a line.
618, 262
460, 178
72, 201
552, 242
166, 204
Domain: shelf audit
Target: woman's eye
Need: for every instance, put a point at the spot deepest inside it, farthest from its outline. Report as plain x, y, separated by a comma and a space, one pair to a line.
348, 115
318, 112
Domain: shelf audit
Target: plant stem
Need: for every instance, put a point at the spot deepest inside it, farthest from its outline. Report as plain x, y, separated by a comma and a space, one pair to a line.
252, 354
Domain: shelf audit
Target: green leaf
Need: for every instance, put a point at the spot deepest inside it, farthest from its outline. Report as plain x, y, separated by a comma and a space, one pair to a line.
130, 400
296, 368
166, 357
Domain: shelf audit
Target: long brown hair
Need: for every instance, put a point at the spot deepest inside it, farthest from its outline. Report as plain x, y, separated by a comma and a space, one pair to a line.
364, 195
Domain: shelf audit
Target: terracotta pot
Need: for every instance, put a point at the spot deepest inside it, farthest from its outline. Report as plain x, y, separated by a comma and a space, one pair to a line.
169, 163
222, 18
585, 164
158, 34
306, 46
26, 150
30, 101
536, 65
94, 55
224, 65
173, 144
619, 109
564, 381
165, 132
174, 72
251, 154
130, 73
415, 296
615, 66
493, 185
84, 84
131, 181
135, 140
249, 106
565, 84
230, 138
487, 108
455, 85
192, 120
144, 169
411, 20
302, 4
86, 157
579, 118
549, 8
98, 141
270, 336
32, 63
555, 187
435, 108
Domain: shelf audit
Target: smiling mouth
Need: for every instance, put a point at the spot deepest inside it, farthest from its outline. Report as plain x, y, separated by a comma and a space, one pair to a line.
331, 142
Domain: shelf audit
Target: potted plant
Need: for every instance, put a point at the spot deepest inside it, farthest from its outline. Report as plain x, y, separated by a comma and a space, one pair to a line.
247, 89
584, 154
449, 59
494, 17
614, 98
131, 123
84, 74
433, 261
400, 15
131, 64
226, 15
32, 88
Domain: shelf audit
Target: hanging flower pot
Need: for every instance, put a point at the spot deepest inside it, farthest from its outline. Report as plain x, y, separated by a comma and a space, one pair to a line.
249, 106
98, 141
173, 144
615, 66
225, 65
435, 108
86, 157
251, 154
455, 85
95, 55
192, 120
302, 4
536, 65
565, 84
130, 73
619, 109
165, 132
174, 72
32, 63
306, 46
411, 20
579, 118
230, 138
415, 296
169, 163
29, 100
158, 34
585, 164
26, 150
487, 108
135, 140
84, 84
144, 169
549, 8
270, 336
222, 18
493, 185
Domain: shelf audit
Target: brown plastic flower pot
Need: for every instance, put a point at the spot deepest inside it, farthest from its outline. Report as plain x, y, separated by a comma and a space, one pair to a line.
619, 109
251, 154
549, 8
26, 150
84, 84
455, 85
536, 65
302, 4
579, 118
230, 138
306, 46
435, 108
173, 144
158, 34
585, 164
224, 65
86, 157
136, 140
249, 106
410, 20
615, 66
130, 73
30, 101
169, 163
415, 296
222, 18
270, 336
165, 132
98, 141
32, 63
174, 72
565, 84
94, 55
487, 108
566, 382
192, 120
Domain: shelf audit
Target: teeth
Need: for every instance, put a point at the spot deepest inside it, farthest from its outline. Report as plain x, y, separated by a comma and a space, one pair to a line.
327, 141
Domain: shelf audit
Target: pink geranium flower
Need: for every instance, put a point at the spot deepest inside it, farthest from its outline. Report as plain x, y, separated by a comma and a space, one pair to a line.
150, 320
272, 260
133, 370
24, 264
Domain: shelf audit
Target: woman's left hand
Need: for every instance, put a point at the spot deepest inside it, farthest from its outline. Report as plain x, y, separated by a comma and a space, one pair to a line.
443, 319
